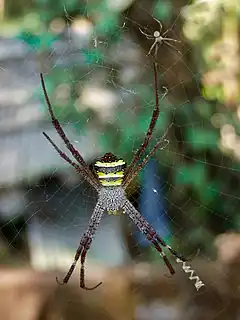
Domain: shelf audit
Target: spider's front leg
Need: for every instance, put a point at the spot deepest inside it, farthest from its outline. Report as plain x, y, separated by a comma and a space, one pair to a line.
84, 246
148, 36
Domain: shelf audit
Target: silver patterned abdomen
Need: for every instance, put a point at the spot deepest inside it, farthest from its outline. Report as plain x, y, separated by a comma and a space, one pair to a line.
112, 199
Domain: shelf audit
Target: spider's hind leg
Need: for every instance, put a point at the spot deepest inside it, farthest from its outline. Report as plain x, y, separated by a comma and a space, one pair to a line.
147, 230
163, 256
84, 246
81, 252
173, 252
82, 273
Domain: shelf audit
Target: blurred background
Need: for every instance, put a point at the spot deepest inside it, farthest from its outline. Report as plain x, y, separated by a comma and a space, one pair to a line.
100, 81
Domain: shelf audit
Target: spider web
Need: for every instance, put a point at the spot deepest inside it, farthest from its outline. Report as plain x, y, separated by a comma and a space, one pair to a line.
51, 210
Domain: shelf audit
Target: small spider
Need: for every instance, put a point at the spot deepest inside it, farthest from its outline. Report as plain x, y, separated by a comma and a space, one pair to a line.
159, 39
110, 179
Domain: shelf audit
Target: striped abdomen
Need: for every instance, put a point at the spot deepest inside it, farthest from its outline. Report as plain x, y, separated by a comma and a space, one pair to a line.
110, 173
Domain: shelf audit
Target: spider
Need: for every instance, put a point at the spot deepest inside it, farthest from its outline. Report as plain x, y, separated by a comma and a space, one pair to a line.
110, 179
158, 38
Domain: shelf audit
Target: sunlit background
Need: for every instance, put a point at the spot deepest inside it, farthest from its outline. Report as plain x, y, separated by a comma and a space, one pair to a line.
99, 77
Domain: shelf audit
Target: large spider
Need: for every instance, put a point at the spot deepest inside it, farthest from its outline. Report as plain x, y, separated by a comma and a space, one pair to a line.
110, 180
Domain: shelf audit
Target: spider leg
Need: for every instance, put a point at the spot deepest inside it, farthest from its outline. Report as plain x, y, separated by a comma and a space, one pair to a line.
73, 265
76, 167
160, 24
148, 231
155, 43
84, 246
137, 169
62, 134
170, 39
165, 32
82, 273
152, 236
151, 127
173, 252
163, 256
148, 36
170, 45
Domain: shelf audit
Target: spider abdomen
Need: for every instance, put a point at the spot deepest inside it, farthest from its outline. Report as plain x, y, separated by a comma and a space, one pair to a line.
110, 170
112, 199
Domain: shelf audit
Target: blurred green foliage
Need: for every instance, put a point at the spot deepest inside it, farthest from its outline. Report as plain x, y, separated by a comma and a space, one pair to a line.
213, 28
201, 174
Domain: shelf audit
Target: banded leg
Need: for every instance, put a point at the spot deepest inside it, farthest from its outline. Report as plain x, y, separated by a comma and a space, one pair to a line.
62, 134
84, 246
73, 164
151, 127
150, 234
139, 167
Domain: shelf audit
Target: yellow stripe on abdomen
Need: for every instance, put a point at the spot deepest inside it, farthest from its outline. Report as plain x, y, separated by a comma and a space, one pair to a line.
111, 183
110, 174
118, 174
109, 164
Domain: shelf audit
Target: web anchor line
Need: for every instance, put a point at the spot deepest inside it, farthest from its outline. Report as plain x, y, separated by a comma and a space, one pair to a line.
187, 269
